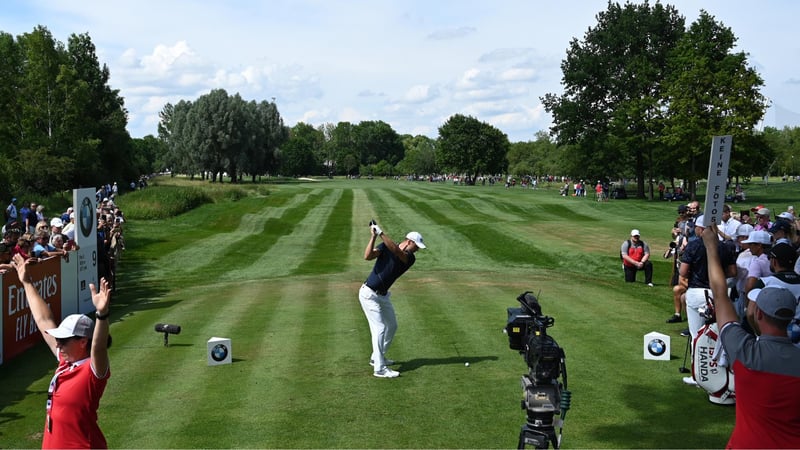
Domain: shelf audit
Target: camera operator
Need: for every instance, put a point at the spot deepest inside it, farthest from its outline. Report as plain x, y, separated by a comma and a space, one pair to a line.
767, 368
677, 246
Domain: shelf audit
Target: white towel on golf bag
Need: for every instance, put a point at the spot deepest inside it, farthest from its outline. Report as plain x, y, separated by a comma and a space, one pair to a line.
720, 355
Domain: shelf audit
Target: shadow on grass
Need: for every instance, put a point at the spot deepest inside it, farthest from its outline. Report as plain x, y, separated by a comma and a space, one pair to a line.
413, 364
693, 423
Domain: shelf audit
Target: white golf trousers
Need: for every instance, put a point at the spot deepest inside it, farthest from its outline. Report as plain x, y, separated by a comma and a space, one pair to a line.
382, 323
695, 300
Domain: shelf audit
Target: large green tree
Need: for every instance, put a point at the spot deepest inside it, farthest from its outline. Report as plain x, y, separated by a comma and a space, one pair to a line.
710, 90
219, 133
612, 88
539, 157
341, 145
469, 146
376, 141
420, 156
784, 146
297, 155
268, 135
61, 125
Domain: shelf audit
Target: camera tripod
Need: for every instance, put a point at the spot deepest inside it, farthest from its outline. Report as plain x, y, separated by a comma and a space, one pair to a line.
545, 405
538, 437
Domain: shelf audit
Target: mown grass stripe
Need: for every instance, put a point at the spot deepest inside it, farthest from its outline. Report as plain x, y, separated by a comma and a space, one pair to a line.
447, 248
288, 243
204, 256
325, 256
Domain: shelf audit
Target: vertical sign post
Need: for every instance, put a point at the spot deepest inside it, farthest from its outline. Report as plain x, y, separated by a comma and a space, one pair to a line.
86, 237
717, 179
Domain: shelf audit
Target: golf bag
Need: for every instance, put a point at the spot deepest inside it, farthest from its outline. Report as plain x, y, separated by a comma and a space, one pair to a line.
709, 369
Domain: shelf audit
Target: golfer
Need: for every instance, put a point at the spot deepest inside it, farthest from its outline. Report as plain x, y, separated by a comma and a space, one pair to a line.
81, 347
392, 260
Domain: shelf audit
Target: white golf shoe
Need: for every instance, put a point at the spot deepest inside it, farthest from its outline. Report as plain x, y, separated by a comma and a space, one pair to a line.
386, 373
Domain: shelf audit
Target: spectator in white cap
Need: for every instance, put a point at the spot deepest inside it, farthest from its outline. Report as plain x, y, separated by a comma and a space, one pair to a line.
763, 222
81, 347
742, 264
56, 228
635, 254
760, 242
391, 261
70, 225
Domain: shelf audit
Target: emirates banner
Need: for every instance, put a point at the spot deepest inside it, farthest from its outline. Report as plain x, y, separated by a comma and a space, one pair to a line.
63, 283
19, 330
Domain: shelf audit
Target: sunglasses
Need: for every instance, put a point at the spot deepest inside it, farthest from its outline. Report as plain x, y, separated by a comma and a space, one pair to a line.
63, 341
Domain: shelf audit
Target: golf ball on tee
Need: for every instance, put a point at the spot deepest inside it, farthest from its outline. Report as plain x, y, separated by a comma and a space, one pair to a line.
466, 364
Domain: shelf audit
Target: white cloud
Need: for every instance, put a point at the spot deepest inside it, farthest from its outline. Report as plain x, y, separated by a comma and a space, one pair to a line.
518, 74
453, 33
165, 59
420, 93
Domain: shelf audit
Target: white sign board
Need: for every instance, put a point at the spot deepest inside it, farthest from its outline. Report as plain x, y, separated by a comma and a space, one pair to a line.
219, 351
717, 179
83, 201
656, 346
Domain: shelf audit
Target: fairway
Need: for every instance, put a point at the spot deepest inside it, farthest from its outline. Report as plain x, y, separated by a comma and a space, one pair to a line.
278, 274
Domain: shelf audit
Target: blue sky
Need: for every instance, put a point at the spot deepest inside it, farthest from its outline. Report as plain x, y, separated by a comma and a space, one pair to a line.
409, 63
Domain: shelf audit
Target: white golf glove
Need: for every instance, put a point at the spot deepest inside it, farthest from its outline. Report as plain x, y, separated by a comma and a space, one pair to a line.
376, 230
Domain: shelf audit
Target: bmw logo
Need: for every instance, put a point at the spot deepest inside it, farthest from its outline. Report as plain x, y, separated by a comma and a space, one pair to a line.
87, 217
219, 352
656, 347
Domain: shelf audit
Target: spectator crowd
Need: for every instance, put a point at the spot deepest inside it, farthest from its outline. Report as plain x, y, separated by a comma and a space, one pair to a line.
31, 233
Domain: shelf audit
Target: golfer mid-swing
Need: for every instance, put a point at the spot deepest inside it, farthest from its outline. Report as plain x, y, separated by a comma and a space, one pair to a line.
392, 260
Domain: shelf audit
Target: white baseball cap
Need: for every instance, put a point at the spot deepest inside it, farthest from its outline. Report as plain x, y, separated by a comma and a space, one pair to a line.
744, 230
635, 232
73, 325
416, 238
758, 237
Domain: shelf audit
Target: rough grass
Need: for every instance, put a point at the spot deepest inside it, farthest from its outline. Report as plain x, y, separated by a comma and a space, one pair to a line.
279, 275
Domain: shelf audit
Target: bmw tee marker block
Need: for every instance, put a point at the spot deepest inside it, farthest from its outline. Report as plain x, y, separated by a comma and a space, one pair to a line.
656, 346
219, 351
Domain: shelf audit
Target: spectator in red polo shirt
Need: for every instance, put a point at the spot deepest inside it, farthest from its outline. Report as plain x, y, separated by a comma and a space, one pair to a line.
81, 347
635, 254
767, 367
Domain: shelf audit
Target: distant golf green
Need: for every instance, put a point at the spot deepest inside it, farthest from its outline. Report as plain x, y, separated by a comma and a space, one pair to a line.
276, 268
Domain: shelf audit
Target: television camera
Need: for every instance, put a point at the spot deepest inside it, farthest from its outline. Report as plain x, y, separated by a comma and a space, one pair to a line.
545, 397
